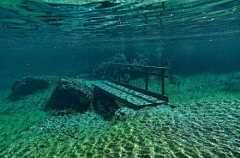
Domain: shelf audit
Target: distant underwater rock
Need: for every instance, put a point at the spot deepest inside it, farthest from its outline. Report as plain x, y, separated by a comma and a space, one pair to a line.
29, 85
107, 69
71, 94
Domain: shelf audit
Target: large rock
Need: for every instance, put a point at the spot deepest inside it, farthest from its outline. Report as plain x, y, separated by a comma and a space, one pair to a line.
107, 69
71, 94
29, 85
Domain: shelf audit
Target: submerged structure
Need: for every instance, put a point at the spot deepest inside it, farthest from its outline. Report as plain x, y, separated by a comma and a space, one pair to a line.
134, 97
75, 79
82, 94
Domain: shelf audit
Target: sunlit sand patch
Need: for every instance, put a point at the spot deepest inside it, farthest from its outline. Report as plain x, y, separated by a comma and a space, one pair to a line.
205, 127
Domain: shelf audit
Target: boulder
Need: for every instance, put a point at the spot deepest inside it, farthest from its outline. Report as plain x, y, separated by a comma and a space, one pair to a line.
107, 69
71, 94
29, 85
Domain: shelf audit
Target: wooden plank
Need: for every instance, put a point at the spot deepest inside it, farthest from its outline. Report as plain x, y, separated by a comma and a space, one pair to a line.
133, 98
130, 105
142, 66
155, 95
131, 92
144, 72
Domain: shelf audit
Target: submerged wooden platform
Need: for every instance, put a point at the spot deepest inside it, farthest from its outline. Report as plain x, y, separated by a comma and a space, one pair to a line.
133, 97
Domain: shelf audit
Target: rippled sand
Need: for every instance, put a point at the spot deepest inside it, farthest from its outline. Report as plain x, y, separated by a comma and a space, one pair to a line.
207, 128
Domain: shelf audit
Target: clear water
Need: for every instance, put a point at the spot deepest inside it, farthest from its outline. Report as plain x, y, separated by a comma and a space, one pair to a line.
198, 39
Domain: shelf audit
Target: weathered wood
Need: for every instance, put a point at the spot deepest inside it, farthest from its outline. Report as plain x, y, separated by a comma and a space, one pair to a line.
146, 92
144, 72
131, 97
153, 67
163, 83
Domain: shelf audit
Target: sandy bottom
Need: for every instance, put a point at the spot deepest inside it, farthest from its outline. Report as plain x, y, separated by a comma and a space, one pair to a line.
207, 128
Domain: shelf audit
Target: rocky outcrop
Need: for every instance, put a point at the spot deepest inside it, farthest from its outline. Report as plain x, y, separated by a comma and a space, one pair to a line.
71, 94
108, 69
29, 85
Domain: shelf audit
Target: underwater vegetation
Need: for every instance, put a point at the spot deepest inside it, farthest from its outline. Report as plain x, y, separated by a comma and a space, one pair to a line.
231, 83
204, 124
194, 88
43, 113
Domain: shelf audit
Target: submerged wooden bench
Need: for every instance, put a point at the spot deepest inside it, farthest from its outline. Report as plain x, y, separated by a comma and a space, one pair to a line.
131, 96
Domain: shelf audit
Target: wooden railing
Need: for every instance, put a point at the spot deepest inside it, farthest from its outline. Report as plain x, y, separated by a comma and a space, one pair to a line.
146, 70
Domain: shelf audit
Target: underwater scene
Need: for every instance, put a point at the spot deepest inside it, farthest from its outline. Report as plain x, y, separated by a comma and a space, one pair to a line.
119, 78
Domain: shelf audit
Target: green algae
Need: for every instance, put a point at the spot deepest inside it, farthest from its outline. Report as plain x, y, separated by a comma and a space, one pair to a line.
199, 88
206, 126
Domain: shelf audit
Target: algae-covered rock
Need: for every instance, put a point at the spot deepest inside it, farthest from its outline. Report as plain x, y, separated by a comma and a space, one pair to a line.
107, 69
71, 94
29, 85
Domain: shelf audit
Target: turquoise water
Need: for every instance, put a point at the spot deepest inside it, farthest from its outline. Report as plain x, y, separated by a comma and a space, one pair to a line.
71, 37
198, 40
